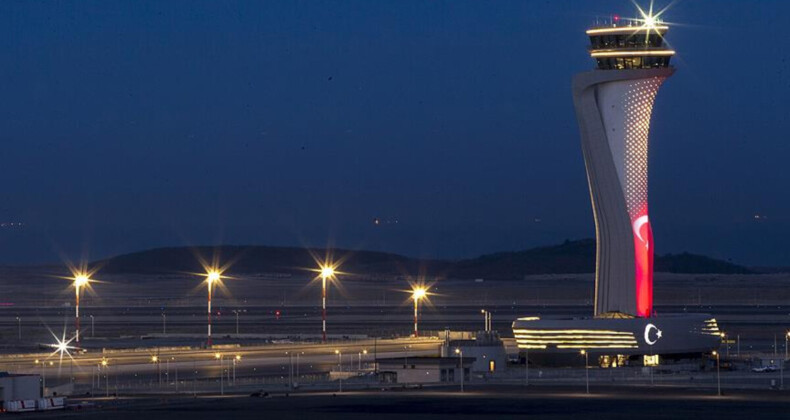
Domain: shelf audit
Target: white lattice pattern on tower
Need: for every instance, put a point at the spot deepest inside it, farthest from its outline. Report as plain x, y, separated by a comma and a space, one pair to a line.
638, 108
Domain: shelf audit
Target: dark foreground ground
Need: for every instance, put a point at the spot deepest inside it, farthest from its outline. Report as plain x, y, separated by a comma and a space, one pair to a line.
490, 402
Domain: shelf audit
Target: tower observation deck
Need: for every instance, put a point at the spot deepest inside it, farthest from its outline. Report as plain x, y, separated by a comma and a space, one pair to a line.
614, 104
629, 47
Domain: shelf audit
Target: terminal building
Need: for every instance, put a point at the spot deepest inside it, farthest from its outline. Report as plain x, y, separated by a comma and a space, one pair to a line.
614, 104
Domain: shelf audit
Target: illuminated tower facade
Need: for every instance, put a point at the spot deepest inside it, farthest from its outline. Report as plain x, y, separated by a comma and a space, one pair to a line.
613, 106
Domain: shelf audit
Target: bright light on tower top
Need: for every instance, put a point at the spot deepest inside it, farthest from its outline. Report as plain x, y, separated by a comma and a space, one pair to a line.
419, 293
647, 20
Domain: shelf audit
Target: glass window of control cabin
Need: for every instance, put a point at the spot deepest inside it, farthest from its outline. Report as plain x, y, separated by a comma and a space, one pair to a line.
637, 40
595, 42
620, 63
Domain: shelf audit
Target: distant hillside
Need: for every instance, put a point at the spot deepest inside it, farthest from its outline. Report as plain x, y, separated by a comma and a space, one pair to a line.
260, 259
697, 264
574, 257
571, 257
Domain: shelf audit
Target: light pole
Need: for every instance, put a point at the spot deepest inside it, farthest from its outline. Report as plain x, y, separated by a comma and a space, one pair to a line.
19, 327
775, 347
236, 359
80, 280
782, 365
718, 373
218, 356
92, 325
726, 344
327, 272
105, 366
340, 368
212, 277
297, 364
460, 354
237, 312
164, 323
359, 354
488, 324
175, 365
586, 355
417, 294
526, 366
155, 360
43, 377
290, 370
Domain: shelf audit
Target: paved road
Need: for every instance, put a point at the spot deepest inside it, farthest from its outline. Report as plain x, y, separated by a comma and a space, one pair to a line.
499, 402
196, 363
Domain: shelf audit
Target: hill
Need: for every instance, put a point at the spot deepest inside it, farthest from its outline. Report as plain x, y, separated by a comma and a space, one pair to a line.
261, 259
570, 257
575, 257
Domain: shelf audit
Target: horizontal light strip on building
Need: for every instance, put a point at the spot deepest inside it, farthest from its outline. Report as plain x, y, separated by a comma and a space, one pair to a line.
524, 331
639, 53
626, 29
562, 337
585, 343
574, 339
596, 347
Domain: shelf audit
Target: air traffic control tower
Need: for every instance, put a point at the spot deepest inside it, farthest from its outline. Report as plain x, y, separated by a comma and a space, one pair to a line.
613, 105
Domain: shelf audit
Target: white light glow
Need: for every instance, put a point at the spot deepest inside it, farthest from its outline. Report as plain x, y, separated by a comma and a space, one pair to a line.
637, 53
327, 271
213, 276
